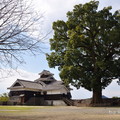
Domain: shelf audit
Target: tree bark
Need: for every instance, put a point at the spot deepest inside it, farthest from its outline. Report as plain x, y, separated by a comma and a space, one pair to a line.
97, 95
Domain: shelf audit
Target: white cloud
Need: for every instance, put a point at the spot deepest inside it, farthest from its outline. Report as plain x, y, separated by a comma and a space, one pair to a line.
56, 9
80, 93
112, 90
8, 79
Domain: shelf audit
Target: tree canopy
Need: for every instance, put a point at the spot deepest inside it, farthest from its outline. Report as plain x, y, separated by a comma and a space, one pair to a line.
86, 47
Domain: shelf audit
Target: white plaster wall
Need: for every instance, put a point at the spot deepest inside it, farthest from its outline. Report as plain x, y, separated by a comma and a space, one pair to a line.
60, 91
56, 102
59, 103
53, 92
49, 102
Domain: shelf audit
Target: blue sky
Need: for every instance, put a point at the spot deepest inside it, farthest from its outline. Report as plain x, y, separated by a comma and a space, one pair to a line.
56, 10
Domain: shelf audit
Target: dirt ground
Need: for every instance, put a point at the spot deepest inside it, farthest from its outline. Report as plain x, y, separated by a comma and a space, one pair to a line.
60, 113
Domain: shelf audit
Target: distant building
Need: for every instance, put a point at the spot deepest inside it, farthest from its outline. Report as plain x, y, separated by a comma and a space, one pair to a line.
46, 90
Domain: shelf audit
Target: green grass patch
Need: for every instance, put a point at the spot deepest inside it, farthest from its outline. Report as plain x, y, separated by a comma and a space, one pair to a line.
3, 108
22, 108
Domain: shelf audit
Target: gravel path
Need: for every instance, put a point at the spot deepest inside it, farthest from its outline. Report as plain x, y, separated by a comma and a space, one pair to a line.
62, 113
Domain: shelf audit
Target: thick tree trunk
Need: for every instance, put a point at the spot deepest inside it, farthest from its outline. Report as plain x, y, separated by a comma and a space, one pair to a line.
97, 96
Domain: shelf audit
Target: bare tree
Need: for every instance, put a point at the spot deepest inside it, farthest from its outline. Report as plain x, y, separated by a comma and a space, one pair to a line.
18, 31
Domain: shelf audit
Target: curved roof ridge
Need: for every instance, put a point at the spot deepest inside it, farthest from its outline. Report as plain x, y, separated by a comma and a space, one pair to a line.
46, 72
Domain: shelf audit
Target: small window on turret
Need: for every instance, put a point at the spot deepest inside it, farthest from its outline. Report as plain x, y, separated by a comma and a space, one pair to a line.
47, 82
44, 76
51, 78
17, 84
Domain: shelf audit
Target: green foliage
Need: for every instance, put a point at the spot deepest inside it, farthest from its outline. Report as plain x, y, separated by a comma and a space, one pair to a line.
15, 108
86, 47
4, 97
115, 97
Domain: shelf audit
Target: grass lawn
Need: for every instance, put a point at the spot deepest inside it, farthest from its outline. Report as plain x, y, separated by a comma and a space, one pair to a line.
2, 108
58, 113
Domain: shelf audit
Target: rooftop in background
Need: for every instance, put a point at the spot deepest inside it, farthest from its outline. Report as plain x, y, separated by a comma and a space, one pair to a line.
46, 72
46, 82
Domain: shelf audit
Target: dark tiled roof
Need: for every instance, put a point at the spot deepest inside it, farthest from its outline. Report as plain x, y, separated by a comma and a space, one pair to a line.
28, 84
45, 72
46, 79
42, 84
38, 85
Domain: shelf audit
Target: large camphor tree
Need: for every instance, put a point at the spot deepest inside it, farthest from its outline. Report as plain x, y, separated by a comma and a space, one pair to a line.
86, 48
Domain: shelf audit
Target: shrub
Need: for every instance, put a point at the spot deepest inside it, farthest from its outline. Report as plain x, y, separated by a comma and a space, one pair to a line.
4, 97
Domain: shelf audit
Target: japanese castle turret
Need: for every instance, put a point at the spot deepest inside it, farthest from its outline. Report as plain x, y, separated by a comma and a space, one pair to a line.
45, 90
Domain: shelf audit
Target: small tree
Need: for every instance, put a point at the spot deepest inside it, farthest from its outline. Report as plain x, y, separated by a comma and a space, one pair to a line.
19, 31
4, 97
86, 48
